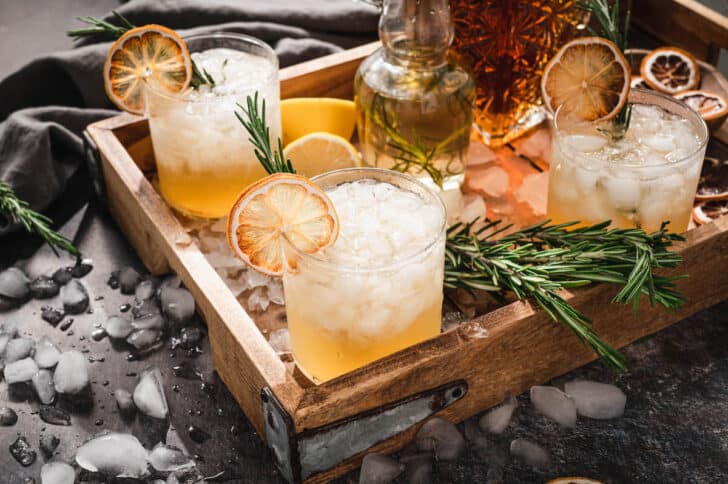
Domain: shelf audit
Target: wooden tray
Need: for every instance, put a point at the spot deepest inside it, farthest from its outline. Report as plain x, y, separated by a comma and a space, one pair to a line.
318, 432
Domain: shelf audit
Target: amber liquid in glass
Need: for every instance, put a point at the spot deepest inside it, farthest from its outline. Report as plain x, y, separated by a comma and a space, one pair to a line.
506, 44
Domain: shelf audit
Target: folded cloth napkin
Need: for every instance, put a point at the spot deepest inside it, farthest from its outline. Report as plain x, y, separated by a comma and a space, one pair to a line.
46, 104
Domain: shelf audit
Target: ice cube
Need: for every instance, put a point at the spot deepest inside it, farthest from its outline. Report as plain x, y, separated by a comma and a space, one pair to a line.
51, 315
9, 327
623, 192
473, 208
114, 454
22, 451
46, 353
190, 336
493, 181
149, 395
596, 400
74, 297
258, 301
82, 267
44, 287
71, 374
43, 385
48, 444
144, 290
128, 280
178, 304
554, 404
379, 469
144, 339
418, 468
166, 458
54, 415
275, 292
62, 276
21, 370
57, 473
664, 143
530, 453
18, 348
497, 419
585, 143
154, 321
280, 340
118, 327
124, 402
8, 417
533, 191
442, 438
586, 177
14, 284
4, 340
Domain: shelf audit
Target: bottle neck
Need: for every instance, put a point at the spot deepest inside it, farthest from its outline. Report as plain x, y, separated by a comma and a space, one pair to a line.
416, 31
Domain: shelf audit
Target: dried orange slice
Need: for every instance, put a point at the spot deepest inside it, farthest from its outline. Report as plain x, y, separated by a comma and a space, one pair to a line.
709, 211
670, 70
712, 107
713, 184
277, 213
574, 480
589, 78
150, 54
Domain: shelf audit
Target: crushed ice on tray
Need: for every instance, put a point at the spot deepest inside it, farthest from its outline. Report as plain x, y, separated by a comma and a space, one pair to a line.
596, 400
43, 386
44, 287
114, 454
18, 348
22, 451
46, 353
149, 395
167, 458
280, 340
554, 404
497, 419
530, 453
54, 415
440, 437
379, 469
8, 417
20, 371
74, 297
71, 375
57, 473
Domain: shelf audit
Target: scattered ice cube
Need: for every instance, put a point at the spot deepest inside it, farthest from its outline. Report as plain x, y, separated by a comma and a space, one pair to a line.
54, 415
44, 287
71, 374
124, 402
379, 469
190, 337
9, 327
166, 458
530, 453
43, 386
114, 454
128, 280
473, 208
442, 438
143, 339
258, 301
51, 315
74, 297
144, 290
14, 284
171, 280
57, 473
597, 400
280, 340
154, 321
149, 395
82, 267
18, 348
62, 276
146, 309
8, 417
178, 304
497, 419
20, 371
46, 353
22, 451
48, 444
118, 327
554, 404
418, 468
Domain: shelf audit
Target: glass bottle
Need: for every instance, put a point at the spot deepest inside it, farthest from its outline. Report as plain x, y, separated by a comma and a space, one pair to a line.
414, 104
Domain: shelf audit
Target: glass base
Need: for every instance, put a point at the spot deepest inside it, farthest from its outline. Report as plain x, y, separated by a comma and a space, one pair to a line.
531, 119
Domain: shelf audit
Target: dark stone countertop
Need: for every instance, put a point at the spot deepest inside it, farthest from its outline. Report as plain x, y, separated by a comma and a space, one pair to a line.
674, 428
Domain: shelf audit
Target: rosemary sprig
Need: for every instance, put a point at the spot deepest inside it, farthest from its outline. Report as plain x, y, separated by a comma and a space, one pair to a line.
259, 135
608, 19
18, 211
100, 27
539, 261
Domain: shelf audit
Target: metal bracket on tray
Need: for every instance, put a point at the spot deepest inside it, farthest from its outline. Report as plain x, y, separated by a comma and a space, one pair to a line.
299, 456
93, 161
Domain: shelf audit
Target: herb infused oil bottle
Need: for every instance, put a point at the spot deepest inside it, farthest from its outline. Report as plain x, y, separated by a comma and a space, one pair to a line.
414, 104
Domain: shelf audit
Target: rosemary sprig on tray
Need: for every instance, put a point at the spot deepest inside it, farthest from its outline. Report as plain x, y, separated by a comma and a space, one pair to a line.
539, 261
100, 27
608, 19
259, 135
18, 211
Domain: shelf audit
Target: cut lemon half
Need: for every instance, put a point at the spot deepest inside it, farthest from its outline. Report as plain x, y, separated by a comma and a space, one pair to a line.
588, 78
320, 152
670, 70
150, 54
277, 213
303, 115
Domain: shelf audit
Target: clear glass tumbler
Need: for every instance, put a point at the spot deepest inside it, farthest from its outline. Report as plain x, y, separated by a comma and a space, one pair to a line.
378, 289
203, 155
647, 177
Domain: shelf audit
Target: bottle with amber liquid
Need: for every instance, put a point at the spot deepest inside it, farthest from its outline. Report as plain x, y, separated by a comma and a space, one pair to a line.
414, 104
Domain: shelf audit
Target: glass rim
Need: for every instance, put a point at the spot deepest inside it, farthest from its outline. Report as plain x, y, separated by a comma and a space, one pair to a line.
374, 174
270, 55
703, 135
